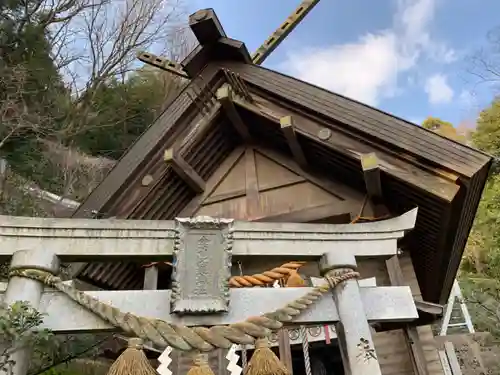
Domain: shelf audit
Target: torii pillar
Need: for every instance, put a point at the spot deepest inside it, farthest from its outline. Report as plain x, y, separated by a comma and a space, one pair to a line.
353, 330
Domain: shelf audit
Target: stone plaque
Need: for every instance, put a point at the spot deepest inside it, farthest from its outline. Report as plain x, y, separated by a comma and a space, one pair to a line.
201, 266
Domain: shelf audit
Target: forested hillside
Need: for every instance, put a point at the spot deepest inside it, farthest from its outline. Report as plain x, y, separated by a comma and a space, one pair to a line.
72, 98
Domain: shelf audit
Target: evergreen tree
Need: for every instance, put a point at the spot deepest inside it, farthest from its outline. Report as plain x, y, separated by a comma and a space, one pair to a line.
487, 134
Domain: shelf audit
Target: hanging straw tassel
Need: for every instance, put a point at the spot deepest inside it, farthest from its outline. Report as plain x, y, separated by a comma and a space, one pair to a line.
295, 280
264, 361
200, 365
132, 361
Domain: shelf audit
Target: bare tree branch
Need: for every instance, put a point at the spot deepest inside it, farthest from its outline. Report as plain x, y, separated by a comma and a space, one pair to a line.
484, 65
93, 43
109, 34
16, 115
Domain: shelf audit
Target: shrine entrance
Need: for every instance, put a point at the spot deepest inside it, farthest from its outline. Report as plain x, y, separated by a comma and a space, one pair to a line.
325, 359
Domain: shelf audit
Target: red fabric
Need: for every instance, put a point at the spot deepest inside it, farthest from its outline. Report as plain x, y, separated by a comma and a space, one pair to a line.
327, 334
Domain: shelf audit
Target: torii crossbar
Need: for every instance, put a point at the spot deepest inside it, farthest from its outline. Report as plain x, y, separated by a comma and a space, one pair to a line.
202, 249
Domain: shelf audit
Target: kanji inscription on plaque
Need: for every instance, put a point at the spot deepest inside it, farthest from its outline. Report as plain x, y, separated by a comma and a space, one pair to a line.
202, 265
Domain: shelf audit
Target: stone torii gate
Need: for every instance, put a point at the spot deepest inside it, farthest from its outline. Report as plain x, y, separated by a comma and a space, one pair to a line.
203, 249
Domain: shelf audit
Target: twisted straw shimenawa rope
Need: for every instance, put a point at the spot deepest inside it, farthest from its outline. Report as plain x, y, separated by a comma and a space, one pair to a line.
258, 279
266, 277
181, 337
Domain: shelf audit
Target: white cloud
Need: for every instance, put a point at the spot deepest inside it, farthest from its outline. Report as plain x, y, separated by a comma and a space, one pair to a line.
438, 89
344, 68
368, 69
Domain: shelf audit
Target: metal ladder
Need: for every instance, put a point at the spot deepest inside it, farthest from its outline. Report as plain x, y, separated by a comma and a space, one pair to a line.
456, 294
448, 356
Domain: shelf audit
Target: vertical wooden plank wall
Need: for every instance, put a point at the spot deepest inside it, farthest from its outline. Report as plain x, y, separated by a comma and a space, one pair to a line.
424, 332
392, 347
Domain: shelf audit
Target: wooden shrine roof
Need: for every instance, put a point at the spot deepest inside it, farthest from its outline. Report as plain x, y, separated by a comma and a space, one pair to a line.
418, 167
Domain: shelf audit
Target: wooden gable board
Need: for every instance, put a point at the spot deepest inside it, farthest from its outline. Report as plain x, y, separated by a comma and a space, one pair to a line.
277, 190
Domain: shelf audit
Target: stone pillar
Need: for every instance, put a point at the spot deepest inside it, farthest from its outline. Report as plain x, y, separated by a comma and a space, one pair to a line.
359, 351
22, 289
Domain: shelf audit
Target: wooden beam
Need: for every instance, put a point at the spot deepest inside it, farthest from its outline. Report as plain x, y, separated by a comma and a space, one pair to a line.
251, 185
449, 349
163, 64
336, 189
340, 213
184, 170
285, 349
396, 276
196, 60
225, 97
429, 308
347, 145
213, 182
371, 173
417, 352
288, 130
417, 355
238, 193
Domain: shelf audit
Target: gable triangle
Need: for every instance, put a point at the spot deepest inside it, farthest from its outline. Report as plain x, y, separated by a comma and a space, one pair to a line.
270, 174
233, 183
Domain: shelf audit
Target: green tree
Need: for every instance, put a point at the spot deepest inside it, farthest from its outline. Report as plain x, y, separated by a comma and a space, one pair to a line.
444, 128
480, 268
122, 110
31, 88
482, 255
29, 78
487, 134
18, 330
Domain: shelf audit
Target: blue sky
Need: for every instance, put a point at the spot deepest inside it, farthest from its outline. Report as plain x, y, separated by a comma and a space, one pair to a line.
407, 57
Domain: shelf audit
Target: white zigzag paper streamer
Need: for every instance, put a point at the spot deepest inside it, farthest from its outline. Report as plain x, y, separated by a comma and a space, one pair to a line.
165, 361
233, 358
